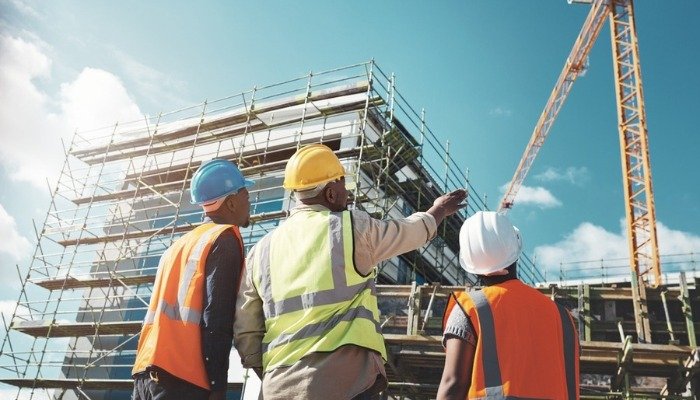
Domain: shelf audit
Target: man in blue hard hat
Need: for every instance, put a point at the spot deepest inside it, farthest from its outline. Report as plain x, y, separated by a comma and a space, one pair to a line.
187, 334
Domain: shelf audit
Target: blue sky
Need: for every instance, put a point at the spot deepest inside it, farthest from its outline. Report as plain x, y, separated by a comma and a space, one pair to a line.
482, 70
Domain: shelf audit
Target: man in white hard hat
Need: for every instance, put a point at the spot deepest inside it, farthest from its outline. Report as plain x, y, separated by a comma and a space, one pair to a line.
506, 340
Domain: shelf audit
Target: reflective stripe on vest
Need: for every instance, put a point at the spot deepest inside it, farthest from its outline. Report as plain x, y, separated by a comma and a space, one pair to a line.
340, 292
490, 360
338, 288
178, 311
492, 371
324, 326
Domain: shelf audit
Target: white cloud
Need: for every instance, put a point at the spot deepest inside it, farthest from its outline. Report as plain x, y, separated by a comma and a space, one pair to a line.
25, 8
96, 98
6, 309
32, 122
676, 242
500, 112
590, 242
586, 242
11, 242
536, 196
574, 175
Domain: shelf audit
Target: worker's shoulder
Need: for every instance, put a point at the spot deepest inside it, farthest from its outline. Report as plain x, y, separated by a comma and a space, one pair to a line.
542, 299
360, 214
361, 220
226, 244
262, 241
227, 236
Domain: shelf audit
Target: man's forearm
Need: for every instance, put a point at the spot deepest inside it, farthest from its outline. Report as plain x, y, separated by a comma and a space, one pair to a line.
216, 347
378, 240
249, 322
249, 347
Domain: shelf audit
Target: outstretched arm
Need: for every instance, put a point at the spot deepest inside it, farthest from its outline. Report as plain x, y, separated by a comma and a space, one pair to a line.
447, 204
377, 240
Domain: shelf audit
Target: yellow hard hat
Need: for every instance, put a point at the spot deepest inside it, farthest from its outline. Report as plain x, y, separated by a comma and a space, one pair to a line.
311, 166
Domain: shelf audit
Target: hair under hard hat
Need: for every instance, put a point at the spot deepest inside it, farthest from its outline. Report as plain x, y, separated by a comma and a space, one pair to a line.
488, 242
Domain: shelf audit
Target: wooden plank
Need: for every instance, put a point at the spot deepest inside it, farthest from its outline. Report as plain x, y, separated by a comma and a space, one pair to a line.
221, 121
73, 283
76, 329
87, 384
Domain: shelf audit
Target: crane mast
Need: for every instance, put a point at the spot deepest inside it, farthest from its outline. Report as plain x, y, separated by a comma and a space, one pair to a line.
634, 144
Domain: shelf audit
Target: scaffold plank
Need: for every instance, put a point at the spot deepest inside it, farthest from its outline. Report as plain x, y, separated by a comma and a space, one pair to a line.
73, 283
250, 166
96, 158
612, 293
159, 231
360, 87
86, 384
596, 357
75, 329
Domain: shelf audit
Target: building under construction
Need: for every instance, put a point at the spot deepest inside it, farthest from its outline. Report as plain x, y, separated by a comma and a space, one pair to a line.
122, 199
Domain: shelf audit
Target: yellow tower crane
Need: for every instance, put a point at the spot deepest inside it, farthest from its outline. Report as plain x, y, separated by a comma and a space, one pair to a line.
634, 148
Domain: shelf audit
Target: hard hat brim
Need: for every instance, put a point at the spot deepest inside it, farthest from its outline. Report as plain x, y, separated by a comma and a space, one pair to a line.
246, 184
485, 271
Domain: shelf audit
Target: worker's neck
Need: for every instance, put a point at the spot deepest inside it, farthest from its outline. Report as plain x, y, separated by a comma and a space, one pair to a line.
316, 201
219, 219
496, 279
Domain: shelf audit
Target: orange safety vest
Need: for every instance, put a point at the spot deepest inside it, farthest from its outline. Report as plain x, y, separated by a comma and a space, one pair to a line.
170, 336
527, 346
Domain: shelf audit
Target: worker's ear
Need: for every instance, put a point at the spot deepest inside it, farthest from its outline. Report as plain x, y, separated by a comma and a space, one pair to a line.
230, 203
330, 194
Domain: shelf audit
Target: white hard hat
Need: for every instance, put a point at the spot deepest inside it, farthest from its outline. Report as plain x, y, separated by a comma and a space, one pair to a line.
488, 242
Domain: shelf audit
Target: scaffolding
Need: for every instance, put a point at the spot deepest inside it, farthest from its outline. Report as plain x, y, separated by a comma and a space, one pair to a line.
122, 199
612, 364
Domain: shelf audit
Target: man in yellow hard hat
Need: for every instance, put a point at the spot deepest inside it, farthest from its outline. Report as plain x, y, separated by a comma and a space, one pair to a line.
307, 314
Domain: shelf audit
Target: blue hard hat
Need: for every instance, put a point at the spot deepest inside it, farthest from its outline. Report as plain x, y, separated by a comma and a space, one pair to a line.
215, 179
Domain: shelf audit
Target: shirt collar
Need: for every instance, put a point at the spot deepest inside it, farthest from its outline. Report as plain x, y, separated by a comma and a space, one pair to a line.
498, 279
307, 207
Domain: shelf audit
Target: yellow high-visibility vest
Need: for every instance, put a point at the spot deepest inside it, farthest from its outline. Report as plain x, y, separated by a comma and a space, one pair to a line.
314, 300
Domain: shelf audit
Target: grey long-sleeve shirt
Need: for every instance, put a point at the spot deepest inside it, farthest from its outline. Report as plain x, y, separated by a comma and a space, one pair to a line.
318, 375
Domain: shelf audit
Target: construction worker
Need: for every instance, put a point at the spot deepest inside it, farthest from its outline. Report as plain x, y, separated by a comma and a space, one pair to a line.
506, 340
186, 338
308, 315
